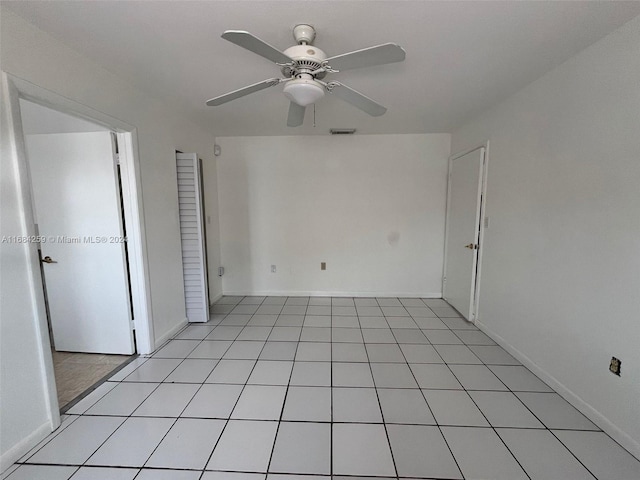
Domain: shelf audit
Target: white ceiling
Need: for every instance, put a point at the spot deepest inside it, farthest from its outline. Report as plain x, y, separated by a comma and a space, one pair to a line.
462, 57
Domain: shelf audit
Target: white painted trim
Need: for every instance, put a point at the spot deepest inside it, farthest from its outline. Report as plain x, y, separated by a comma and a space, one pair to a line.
47, 98
303, 293
171, 333
19, 450
215, 299
483, 209
586, 409
136, 241
36, 290
123, 213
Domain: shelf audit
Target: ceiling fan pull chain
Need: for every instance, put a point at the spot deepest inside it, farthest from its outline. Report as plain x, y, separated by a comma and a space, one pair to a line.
314, 115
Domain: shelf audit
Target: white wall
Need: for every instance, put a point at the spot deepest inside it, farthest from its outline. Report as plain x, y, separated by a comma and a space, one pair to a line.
370, 206
32, 55
37, 120
560, 280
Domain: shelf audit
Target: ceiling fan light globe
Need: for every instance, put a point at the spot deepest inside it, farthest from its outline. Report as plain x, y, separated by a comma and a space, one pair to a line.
303, 92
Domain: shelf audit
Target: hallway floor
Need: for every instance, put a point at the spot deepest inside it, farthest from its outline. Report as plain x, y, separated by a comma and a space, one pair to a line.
77, 372
318, 388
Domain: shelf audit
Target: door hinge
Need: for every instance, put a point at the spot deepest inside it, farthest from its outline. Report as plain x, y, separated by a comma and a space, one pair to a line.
133, 324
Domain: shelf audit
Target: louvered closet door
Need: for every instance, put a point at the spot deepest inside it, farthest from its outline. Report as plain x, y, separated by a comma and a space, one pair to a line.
196, 291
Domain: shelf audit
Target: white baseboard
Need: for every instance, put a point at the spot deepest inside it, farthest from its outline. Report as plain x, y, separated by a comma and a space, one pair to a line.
167, 336
215, 298
314, 293
16, 452
587, 410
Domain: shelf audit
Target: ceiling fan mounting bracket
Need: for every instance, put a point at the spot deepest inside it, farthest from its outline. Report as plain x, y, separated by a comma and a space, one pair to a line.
304, 34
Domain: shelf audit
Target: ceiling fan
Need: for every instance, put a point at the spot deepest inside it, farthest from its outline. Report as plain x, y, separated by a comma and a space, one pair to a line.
304, 66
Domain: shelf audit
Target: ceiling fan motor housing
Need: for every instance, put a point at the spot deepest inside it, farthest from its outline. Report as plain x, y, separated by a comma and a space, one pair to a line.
306, 59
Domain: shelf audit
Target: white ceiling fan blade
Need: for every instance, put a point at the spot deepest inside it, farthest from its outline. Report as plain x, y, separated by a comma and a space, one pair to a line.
296, 115
241, 92
367, 57
356, 99
254, 44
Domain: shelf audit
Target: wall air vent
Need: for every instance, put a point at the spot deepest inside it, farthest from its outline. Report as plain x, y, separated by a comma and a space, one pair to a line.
342, 131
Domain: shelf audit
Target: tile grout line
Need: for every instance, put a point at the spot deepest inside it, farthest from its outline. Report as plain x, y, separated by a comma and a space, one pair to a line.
573, 454
135, 409
284, 401
520, 400
488, 422
215, 445
427, 403
131, 415
547, 428
75, 417
525, 406
238, 399
331, 465
373, 379
180, 414
45, 441
481, 412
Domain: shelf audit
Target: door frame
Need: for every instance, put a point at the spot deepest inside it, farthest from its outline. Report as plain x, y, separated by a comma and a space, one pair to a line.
475, 301
18, 88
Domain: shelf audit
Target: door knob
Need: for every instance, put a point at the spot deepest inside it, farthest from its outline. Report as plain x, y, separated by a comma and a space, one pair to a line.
48, 259
471, 246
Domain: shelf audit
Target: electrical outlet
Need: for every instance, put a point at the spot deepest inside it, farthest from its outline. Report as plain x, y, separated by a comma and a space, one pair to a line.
615, 366
323, 265
273, 269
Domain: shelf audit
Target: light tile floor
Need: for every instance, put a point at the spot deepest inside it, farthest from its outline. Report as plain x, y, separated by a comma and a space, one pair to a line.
298, 388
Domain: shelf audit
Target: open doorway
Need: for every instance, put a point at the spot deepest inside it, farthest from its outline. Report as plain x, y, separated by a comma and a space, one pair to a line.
77, 201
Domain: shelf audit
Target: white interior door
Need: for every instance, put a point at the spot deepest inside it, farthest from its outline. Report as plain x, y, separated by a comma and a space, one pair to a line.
77, 207
463, 230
